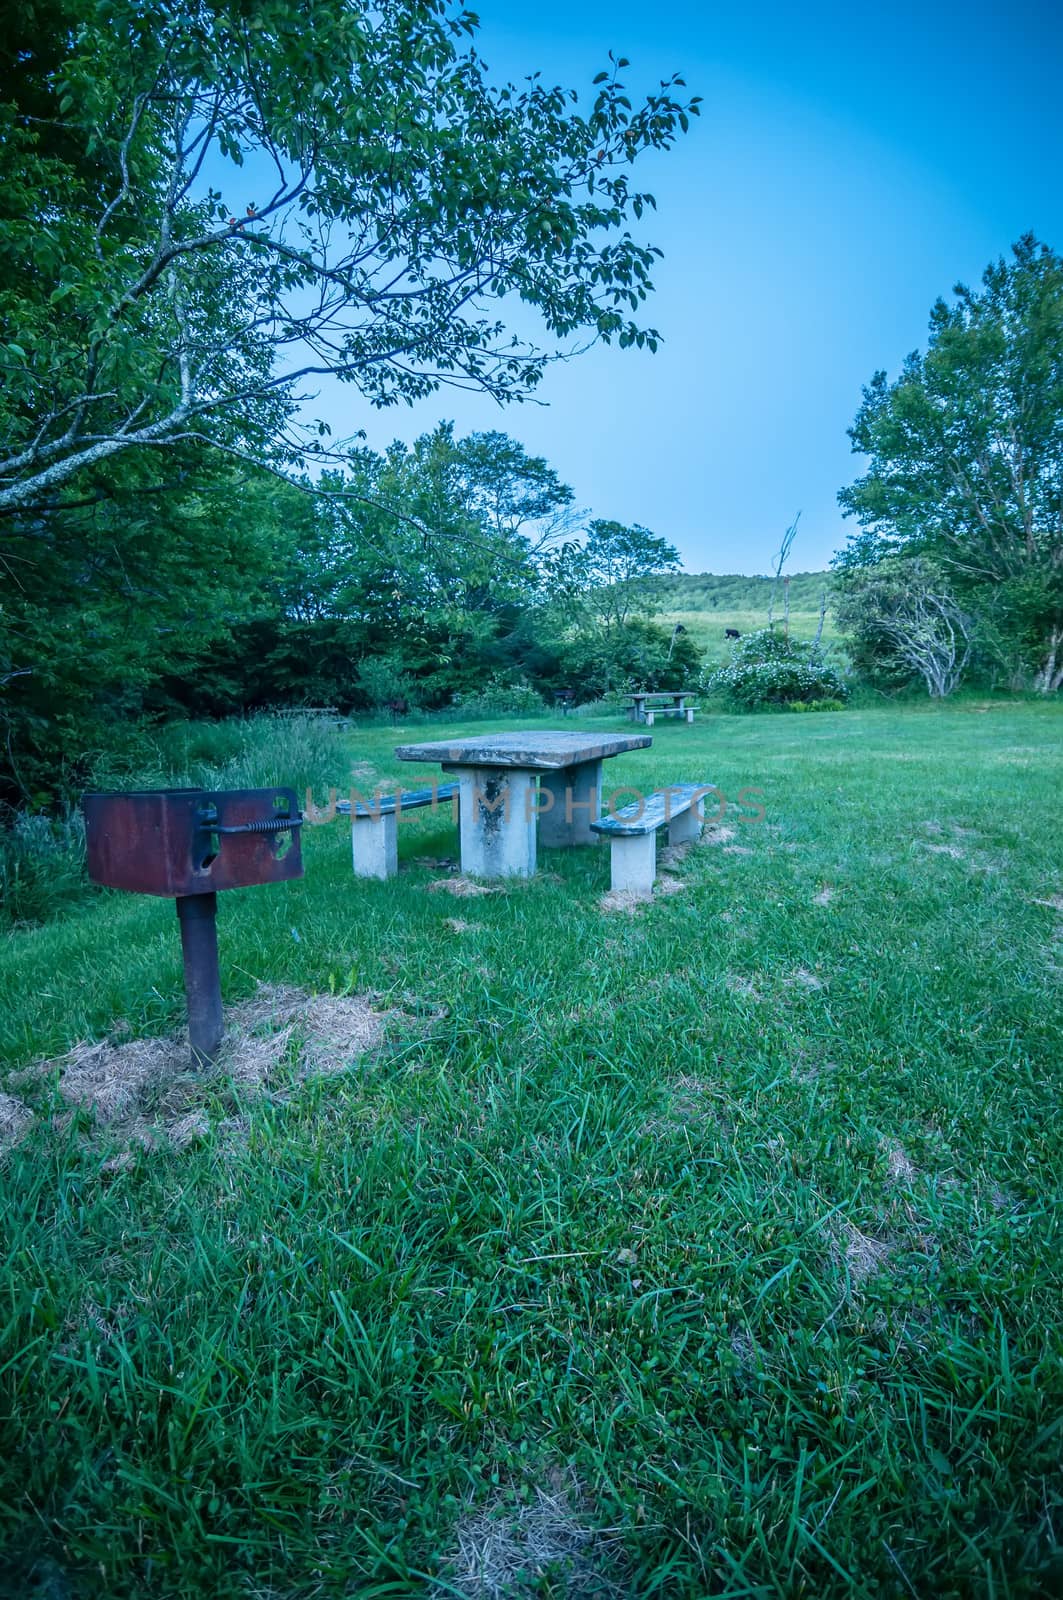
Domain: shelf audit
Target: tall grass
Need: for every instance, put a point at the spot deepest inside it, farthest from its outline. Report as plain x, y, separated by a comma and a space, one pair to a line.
42, 859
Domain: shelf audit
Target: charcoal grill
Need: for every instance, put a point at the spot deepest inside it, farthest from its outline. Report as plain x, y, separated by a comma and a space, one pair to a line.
186, 845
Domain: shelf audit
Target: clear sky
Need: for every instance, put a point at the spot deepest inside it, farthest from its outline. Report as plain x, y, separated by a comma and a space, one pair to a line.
852, 162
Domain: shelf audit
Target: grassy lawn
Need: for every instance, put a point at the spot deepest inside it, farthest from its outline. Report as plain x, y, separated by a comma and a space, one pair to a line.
710, 1249
707, 605
707, 628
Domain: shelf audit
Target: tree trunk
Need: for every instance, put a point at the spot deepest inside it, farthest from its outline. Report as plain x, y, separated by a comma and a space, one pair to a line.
1050, 675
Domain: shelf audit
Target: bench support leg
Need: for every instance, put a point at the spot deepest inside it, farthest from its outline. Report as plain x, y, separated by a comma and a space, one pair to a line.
497, 816
686, 828
648, 719
375, 846
576, 802
634, 864
688, 712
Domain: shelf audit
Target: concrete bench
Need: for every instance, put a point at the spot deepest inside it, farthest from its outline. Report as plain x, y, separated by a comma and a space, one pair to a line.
668, 711
645, 704
375, 828
632, 833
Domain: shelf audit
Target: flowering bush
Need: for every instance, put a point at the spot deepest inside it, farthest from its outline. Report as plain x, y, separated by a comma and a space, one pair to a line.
767, 668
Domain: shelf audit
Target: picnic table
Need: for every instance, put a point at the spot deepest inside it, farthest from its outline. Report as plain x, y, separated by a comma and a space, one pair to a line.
662, 703
499, 804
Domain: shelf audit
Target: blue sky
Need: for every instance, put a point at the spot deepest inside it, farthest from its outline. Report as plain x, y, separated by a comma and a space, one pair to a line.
851, 164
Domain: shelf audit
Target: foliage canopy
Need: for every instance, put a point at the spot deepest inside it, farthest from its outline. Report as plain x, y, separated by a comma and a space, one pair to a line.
966, 456
209, 207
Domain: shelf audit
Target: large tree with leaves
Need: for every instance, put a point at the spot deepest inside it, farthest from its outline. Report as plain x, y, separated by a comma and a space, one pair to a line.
211, 206
966, 457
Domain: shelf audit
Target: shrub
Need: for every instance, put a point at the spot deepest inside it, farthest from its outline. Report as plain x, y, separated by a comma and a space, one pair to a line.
383, 683
768, 668
296, 752
500, 698
638, 655
42, 867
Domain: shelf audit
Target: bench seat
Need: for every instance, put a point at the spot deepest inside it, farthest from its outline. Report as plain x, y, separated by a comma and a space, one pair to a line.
686, 712
375, 829
408, 800
632, 833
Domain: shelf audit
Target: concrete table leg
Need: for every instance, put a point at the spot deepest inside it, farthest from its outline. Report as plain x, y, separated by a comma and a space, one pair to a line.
633, 863
375, 846
575, 802
497, 814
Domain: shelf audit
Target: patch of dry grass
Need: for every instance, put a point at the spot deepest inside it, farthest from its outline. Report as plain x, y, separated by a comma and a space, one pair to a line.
900, 1168
802, 978
148, 1095
860, 1255
463, 888
717, 833
16, 1119
622, 901
507, 1551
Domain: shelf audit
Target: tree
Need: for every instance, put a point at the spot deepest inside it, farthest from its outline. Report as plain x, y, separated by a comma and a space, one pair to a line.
615, 574
512, 493
966, 456
903, 622
213, 205
107, 597
640, 655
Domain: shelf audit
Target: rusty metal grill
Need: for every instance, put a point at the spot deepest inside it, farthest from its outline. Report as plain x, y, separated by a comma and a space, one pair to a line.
187, 844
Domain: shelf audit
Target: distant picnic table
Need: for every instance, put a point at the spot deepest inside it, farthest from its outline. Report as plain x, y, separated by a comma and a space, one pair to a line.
662, 703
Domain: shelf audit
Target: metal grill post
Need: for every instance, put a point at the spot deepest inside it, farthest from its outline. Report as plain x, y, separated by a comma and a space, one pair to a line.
197, 915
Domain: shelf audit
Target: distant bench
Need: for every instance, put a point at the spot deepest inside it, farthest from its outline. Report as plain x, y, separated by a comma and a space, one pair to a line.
663, 703
375, 828
632, 833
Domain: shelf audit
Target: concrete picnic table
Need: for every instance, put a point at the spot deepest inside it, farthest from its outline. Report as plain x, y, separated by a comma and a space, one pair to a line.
669, 702
499, 806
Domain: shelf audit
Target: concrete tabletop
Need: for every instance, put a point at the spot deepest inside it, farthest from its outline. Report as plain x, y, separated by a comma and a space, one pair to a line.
532, 751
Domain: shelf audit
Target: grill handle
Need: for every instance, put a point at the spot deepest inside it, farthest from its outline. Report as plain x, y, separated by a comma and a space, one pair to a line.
270, 825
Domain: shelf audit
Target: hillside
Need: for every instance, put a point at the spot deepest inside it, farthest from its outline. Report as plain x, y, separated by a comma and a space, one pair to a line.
707, 604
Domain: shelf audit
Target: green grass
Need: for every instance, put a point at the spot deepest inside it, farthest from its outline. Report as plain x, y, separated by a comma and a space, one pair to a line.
707, 605
765, 1274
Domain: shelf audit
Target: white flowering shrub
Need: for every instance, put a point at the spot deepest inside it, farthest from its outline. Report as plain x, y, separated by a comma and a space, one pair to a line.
767, 668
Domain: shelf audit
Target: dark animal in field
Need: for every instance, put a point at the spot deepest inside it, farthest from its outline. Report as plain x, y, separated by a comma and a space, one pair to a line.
399, 707
731, 633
